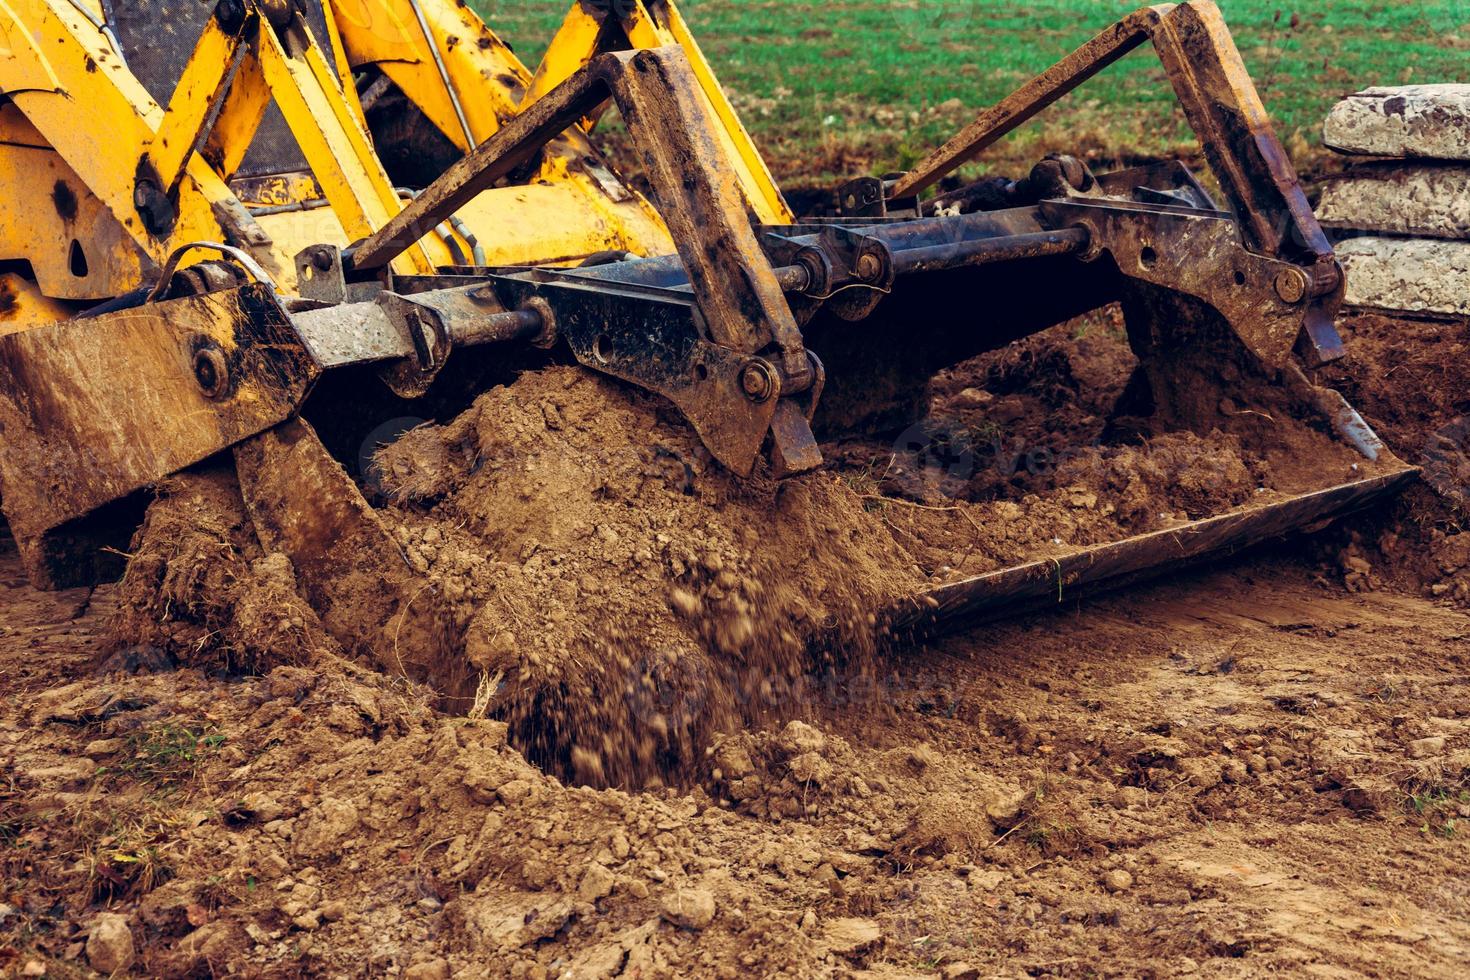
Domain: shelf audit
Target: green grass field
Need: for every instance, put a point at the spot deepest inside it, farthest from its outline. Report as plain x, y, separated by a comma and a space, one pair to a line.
832, 89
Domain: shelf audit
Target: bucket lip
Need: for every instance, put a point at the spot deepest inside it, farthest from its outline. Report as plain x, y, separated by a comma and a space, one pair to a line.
1049, 582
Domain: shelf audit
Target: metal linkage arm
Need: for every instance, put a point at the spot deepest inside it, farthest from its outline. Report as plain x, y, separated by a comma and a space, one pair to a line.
1028, 100
1222, 107
693, 184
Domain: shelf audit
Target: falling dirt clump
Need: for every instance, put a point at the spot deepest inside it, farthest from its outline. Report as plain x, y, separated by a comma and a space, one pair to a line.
620, 594
199, 590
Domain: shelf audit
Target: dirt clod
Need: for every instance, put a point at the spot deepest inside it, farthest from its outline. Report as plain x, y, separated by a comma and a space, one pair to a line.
110, 943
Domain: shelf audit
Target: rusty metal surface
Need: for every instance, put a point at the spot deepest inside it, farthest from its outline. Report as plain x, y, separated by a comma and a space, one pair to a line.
1200, 255
93, 410
1234, 130
1053, 582
741, 304
1223, 108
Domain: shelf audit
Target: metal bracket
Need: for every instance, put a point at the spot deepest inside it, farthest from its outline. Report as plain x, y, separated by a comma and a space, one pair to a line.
1271, 304
739, 300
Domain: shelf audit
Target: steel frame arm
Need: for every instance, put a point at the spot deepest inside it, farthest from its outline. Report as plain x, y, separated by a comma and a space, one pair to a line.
693, 185
1222, 106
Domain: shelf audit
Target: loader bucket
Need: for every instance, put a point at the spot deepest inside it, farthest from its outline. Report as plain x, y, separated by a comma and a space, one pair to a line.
1051, 582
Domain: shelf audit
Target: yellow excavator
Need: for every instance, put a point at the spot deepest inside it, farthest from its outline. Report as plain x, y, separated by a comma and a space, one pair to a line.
218, 221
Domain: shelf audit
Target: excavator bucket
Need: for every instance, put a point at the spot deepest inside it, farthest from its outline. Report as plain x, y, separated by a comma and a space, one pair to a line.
771, 335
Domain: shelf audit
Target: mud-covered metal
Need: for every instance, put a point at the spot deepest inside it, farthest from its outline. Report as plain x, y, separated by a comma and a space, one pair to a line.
94, 410
740, 301
1223, 108
1054, 582
652, 337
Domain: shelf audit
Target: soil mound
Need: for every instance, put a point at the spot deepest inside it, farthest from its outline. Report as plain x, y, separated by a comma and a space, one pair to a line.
589, 575
621, 595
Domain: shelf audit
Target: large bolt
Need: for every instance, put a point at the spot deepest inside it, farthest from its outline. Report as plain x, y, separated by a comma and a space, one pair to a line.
868, 266
1291, 285
758, 381
211, 371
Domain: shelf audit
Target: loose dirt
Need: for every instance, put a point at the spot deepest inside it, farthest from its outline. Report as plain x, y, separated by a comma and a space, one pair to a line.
1256, 770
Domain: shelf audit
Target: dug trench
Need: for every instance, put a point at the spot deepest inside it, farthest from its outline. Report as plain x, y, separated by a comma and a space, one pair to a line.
1246, 770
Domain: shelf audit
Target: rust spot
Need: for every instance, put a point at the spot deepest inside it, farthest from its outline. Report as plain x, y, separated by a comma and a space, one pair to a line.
485, 44
9, 297
1395, 106
91, 65
65, 201
451, 41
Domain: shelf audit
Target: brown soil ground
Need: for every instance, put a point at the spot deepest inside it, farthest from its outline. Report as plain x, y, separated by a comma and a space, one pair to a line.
1262, 768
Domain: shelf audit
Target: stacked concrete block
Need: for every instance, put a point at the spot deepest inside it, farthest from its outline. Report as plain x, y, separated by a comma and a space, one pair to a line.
1400, 214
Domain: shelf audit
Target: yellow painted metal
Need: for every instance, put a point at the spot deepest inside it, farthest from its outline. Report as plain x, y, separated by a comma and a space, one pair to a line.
340, 65
584, 33
338, 150
573, 45
491, 82
202, 84
23, 305
58, 65
485, 74
76, 249
573, 206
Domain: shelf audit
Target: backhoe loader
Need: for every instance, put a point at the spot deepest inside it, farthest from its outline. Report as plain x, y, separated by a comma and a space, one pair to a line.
220, 221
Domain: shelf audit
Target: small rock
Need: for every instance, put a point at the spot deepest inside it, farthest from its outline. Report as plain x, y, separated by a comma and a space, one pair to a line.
597, 882
975, 397
1004, 809
329, 827
959, 971
430, 970
810, 767
693, 908
33, 968
514, 791
307, 921
1424, 748
333, 911
1128, 797
849, 937
798, 738
1117, 880
261, 807
109, 944
989, 880
99, 747
685, 603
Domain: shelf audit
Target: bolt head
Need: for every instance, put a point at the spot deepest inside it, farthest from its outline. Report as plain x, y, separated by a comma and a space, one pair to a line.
758, 381
211, 371
1291, 285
